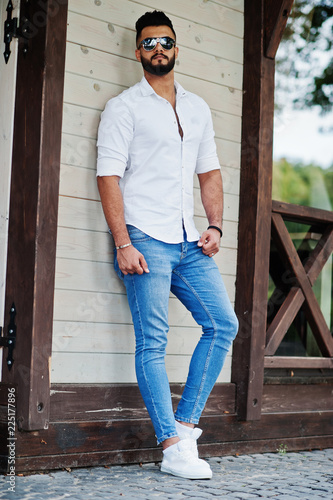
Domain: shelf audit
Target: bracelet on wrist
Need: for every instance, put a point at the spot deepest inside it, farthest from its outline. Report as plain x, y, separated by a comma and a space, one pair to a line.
217, 228
123, 246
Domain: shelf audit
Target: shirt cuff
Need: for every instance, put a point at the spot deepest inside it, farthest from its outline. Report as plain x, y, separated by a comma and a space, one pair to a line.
206, 165
108, 166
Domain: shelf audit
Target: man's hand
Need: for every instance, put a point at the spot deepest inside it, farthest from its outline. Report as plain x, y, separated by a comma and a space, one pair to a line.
210, 242
131, 261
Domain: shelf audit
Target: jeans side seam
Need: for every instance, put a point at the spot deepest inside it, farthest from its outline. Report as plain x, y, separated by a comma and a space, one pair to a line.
212, 342
142, 365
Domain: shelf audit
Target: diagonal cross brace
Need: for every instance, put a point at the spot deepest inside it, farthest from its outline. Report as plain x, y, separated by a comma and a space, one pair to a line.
305, 276
295, 298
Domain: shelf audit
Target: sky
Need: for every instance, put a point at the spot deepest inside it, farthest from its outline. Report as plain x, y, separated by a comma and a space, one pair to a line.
297, 137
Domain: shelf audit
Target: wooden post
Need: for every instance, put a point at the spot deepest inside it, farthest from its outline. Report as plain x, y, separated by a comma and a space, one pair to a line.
255, 201
34, 207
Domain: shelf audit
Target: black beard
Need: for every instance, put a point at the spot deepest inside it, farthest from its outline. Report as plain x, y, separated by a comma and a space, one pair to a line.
159, 69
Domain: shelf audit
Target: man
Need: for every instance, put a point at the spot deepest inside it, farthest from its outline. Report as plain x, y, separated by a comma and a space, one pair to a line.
152, 139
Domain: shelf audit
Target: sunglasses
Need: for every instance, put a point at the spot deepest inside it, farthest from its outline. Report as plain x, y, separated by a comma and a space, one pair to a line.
150, 43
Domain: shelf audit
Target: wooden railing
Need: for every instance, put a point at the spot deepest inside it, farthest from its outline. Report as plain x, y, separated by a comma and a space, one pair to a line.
295, 285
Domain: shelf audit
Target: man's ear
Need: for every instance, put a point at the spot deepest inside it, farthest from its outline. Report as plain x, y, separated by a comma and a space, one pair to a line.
176, 51
138, 55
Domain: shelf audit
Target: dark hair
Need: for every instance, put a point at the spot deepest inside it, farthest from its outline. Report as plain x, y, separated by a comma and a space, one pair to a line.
155, 18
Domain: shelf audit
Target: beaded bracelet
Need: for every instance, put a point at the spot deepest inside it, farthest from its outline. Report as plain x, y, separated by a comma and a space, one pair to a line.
124, 246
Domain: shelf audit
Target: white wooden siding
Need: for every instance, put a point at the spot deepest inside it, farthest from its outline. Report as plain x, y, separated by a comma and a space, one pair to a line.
93, 339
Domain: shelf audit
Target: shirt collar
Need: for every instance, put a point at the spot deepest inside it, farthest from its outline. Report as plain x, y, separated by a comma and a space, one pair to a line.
147, 89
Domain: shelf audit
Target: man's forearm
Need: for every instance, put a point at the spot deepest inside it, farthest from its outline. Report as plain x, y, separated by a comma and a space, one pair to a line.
212, 196
113, 207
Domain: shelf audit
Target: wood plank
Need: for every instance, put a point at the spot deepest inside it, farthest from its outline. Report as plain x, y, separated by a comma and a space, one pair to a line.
233, 4
320, 255
84, 122
229, 153
207, 13
99, 33
211, 14
303, 214
90, 402
115, 338
81, 152
153, 455
33, 212
276, 16
88, 276
294, 362
282, 320
315, 317
105, 368
81, 183
76, 275
122, 71
78, 151
78, 244
230, 209
85, 214
84, 245
107, 308
93, 93
292, 398
254, 216
83, 437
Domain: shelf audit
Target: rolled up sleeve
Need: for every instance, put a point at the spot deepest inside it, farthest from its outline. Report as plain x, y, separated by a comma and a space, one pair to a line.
115, 134
207, 159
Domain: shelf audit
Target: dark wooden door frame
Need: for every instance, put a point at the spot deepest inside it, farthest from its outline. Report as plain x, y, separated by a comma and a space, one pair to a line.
265, 21
34, 207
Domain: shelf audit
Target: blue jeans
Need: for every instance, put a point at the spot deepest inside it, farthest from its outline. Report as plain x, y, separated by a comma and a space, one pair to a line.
195, 279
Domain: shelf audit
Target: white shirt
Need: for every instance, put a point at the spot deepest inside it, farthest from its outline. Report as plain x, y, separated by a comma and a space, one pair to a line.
139, 141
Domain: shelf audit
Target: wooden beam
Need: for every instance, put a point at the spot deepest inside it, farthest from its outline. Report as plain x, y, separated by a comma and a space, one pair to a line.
34, 208
283, 319
303, 214
84, 437
284, 398
295, 298
294, 362
320, 255
254, 216
119, 401
315, 317
100, 458
276, 16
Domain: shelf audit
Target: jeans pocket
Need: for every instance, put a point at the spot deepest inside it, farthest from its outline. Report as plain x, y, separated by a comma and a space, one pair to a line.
137, 235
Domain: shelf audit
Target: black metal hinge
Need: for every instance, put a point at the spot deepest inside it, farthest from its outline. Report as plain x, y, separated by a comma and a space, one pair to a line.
13, 30
10, 340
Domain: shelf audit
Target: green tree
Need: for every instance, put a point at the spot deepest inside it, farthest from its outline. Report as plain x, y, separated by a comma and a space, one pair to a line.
308, 185
305, 57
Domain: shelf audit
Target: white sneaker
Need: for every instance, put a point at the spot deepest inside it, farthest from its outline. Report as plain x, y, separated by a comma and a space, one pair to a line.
180, 461
185, 432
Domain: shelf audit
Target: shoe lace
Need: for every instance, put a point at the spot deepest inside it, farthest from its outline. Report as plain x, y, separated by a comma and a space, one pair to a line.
187, 450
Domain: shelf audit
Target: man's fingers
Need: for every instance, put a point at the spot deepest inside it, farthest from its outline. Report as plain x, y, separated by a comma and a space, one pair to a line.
143, 264
131, 261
